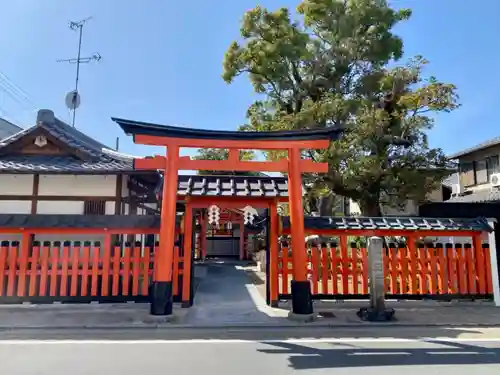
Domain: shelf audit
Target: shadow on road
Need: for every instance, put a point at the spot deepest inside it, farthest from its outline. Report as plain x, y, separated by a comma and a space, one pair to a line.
307, 358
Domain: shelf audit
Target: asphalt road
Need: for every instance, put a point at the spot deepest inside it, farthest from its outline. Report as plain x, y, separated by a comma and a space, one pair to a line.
267, 351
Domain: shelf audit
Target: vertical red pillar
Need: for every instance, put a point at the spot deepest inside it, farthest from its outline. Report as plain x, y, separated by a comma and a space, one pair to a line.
242, 238
301, 288
203, 236
273, 234
188, 242
162, 296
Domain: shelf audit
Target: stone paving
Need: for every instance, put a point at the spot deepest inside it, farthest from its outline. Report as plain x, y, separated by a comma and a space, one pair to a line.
478, 313
227, 296
230, 295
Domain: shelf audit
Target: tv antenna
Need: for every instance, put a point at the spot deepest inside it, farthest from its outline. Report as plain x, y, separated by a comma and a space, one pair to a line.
73, 97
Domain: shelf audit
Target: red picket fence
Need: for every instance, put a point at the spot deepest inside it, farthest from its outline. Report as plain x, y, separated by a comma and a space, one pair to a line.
413, 272
79, 272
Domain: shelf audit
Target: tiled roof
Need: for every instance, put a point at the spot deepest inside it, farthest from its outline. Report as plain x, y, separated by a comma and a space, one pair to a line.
148, 221
7, 128
47, 221
484, 196
392, 223
48, 164
78, 221
102, 159
490, 143
232, 186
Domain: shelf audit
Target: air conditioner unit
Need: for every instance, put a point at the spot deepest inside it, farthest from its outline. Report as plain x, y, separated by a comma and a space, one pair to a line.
457, 189
495, 179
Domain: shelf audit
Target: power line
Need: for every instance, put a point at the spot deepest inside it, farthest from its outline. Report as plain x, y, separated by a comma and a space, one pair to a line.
78, 26
25, 102
7, 83
16, 94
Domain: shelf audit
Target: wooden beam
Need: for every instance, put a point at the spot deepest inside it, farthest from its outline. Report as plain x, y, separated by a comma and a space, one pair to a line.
185, 163
240, 144
54, 198
118, 199
34, 197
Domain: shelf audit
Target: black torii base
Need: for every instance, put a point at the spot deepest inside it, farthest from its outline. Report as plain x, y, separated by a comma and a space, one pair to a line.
301, 298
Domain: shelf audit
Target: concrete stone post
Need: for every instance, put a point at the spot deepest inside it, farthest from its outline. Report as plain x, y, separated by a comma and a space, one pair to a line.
377, 310
495, 272
376, 274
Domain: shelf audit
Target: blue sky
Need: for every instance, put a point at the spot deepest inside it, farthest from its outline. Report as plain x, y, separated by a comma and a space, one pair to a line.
162, 62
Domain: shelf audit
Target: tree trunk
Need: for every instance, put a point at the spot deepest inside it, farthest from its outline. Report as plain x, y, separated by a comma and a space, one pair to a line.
325, 206
370, 208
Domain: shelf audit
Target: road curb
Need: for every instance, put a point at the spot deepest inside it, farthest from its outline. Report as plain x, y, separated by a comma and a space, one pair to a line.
354, 327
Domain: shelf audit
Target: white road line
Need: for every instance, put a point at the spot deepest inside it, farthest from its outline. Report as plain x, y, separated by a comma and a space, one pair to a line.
379, 353
237, 341
461, 353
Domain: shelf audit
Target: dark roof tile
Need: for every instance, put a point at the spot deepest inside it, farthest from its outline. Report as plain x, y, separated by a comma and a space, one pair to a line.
79, 221
392, 223
238, 186
54, 164
489, 143
102, 158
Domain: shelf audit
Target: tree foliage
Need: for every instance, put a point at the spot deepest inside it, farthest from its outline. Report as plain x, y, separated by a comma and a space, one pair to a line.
222, 154
341, 66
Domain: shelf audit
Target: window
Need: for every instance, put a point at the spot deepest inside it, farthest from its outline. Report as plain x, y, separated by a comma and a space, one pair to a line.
94, 207
481, 172
492, 165
467, 175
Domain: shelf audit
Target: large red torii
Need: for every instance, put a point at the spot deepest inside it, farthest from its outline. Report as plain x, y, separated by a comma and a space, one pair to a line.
173, 138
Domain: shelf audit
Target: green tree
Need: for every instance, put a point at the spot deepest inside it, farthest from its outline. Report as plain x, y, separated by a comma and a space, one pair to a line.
339, 65
222, 154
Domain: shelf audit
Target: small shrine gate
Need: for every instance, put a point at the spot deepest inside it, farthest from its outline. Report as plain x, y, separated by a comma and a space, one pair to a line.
174, 138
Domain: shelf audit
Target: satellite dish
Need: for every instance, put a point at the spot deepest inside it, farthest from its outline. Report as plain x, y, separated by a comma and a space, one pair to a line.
72, 100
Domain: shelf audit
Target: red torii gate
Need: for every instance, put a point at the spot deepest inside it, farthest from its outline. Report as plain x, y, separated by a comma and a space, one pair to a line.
173, 138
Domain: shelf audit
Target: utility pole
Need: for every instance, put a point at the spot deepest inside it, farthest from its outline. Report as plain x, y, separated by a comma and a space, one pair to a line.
75, 99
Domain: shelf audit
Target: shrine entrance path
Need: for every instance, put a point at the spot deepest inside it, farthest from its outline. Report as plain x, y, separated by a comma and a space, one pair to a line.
227, 296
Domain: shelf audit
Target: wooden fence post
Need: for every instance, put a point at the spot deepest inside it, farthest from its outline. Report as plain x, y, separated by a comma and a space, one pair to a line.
377, 310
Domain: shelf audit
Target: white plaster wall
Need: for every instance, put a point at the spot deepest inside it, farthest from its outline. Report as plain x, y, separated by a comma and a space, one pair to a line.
15, 207
110, 208
16, 184
60, 207
56, 185
62, 185
77, 185
125, 190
